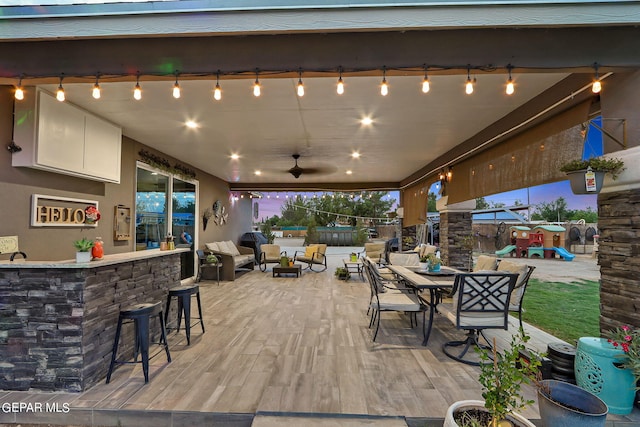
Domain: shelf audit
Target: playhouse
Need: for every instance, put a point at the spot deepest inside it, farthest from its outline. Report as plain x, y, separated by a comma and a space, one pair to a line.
543, 241
553, 237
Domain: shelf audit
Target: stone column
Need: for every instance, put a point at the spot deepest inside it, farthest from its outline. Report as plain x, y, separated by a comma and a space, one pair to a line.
619, 245
455, 230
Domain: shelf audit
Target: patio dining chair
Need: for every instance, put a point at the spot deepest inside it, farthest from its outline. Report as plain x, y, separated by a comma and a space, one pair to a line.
374, 251
480, 301
270, 254
524, 273
407, 259
387, 298
313, 255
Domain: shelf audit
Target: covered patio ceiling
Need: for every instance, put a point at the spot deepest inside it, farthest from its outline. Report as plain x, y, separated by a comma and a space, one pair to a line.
409, 128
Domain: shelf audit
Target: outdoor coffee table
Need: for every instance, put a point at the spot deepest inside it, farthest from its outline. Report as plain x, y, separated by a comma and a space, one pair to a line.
294, 269
354, 266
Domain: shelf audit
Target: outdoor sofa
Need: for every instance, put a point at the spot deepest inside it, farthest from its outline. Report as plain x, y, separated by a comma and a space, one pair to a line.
234, 258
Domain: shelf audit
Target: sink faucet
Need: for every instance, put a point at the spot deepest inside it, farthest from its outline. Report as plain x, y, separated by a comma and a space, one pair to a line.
13, 255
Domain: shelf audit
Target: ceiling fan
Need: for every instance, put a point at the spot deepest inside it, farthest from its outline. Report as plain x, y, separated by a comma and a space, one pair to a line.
296, 170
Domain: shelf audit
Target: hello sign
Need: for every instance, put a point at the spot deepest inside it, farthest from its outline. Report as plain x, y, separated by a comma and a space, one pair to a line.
53, 211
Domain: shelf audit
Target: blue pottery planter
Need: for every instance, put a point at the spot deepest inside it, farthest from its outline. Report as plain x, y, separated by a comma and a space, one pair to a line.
598, 370
566, 405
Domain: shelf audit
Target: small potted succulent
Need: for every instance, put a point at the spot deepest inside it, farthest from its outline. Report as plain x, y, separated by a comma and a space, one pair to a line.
587, 176
424, 262
83, 248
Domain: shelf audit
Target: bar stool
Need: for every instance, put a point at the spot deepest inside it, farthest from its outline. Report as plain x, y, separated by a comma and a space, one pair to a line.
184, 294
139, 315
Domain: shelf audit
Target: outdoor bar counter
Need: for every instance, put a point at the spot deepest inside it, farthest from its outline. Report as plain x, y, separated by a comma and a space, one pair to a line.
58, 318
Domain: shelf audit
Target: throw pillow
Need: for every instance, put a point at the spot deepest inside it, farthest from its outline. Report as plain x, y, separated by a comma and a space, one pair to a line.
310, 250
232, 248
485, 263
212, 246
222, 247
521, 271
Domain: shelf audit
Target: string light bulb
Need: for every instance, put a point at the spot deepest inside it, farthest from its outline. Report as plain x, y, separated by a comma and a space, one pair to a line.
384, 87
300, 89
137, 90
96, 89
425, 82
176, 88
340, 87
19, 95
256, 86
60, 92
510, 88
469, 85
217, 91
597, 86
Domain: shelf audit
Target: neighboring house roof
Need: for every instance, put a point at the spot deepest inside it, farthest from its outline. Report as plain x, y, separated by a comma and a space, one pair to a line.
499, 215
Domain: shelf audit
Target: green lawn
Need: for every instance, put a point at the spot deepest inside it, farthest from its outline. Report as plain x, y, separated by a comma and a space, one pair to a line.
566, 310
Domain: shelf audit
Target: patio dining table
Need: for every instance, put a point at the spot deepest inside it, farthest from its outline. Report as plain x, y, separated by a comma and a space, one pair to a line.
424, 280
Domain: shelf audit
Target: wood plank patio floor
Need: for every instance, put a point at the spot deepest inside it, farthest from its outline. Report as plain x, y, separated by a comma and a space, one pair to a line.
287, 345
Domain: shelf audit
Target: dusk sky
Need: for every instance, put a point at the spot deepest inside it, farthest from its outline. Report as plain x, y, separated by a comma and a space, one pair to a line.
542, 193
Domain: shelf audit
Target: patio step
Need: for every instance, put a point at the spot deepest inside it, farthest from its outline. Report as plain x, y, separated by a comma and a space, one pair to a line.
276, 419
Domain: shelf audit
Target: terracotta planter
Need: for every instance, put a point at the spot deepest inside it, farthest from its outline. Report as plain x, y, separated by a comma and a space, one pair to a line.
578, 183
462, 405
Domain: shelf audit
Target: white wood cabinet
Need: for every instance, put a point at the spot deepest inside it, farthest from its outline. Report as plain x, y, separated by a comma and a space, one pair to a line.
60, 137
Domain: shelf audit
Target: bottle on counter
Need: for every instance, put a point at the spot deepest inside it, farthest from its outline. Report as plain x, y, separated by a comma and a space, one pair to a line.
98, 250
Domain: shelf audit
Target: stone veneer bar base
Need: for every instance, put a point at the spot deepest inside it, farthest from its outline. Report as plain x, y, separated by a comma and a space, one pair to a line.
58, 321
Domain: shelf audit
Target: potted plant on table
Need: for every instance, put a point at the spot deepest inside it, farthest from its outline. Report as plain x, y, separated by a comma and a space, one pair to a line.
424, 262
433, 262
587, 176
501, 377
83, 248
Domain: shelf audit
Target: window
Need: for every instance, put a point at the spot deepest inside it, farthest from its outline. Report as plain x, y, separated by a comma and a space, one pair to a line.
156, 217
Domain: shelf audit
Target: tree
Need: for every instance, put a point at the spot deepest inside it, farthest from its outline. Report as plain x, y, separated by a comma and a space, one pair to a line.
266, 230
294, 212
312, 233
589, 215
552, 211
481, 203
431, 202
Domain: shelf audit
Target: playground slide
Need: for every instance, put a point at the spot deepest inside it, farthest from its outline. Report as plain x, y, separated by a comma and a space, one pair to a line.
506, 250
568, 256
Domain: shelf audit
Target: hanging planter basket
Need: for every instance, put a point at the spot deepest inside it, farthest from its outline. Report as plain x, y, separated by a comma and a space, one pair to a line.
586, 181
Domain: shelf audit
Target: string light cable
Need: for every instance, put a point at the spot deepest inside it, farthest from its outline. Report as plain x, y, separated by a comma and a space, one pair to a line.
425, 72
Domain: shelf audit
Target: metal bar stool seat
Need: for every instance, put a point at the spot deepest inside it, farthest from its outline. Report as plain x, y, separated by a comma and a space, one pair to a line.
184, 294
139, 315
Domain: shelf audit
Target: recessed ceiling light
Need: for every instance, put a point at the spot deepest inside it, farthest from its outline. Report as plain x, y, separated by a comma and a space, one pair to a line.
355, 154
235, 156
191, 124
258, 172
349, 172
366, 121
